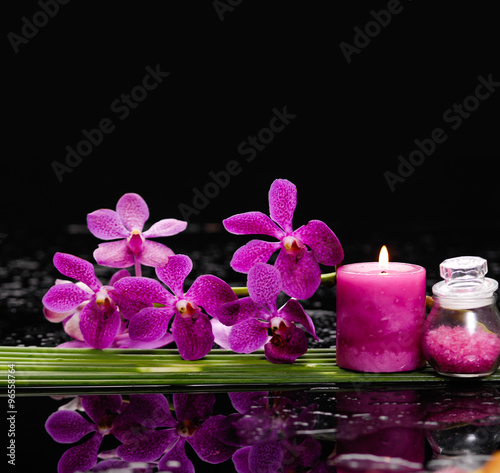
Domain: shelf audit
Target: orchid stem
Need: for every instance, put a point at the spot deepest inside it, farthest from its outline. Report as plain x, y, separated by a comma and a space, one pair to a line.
138, 269
63, 369
328, 279
240, 291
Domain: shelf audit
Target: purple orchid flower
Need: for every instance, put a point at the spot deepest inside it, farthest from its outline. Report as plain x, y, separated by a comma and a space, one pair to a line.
71, 319
191, 328
252, 318
90, 309
300, 251
148, 430
133, 246
67, 426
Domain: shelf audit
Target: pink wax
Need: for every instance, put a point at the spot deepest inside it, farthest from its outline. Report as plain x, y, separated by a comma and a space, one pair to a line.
380, 317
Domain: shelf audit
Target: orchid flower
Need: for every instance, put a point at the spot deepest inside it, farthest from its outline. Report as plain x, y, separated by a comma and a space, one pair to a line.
256, 322
125, 225
67, 426
191, 327
71, 319
148, 430
300, 250
91, 310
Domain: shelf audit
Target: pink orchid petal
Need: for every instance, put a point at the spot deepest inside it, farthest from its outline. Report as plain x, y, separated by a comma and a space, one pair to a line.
97, 406
294, 312
323, 242
66, 281
190, 406
248, 336
68, 426
240, 460
164, 228
77, 268
151, 410
154, 254
99, 326
148, 450
144, 290
210, 292
206, 442
265, 458
123, 273
255, 251
145, 451
221, 334
82, 457
194, 338
176, 456
72, 327
264, 285
282, 203
56, 317
175, 272
115, 254
234, 312
287, 348
301, 275
245, 401
80, 284
255, 223
133, 211
106, 225
150, 324
123, 341
128, 307
64, 298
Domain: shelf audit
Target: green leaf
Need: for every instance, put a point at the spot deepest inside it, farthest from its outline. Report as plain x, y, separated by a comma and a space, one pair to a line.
41, 367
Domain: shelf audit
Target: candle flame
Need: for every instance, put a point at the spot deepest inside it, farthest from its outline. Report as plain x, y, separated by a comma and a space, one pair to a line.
383, 258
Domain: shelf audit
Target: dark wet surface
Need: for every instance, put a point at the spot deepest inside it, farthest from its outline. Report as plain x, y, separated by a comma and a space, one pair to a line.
311, 429
314, 429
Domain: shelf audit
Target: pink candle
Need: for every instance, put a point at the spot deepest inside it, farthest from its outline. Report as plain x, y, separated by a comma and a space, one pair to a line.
380, 316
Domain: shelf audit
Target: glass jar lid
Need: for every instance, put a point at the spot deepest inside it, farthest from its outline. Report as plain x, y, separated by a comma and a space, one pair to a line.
464, 278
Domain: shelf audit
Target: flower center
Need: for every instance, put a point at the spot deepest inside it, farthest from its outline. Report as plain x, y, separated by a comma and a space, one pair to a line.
135, 242
105, 424
292, 246
279, 331
279, 325
186, 428
103, 299
187, 308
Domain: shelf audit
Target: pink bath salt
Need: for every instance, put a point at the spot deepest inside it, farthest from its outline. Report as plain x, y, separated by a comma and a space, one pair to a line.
456, 350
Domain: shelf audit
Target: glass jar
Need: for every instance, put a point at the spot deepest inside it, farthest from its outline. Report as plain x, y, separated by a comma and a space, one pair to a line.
462, 333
